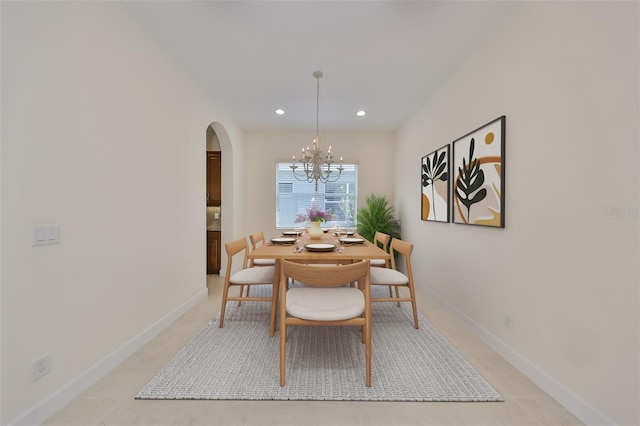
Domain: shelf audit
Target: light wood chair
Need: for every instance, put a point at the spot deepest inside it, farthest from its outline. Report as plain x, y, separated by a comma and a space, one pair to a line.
395, 279
381, 240
257, 240
325, 301
247, 276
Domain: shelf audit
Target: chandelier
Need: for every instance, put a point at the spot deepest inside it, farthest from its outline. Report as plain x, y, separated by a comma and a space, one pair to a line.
314, 166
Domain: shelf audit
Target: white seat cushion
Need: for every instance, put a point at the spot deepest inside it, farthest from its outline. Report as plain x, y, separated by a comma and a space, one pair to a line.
325, 304
264, 262
377, 262
256, 275
388, 276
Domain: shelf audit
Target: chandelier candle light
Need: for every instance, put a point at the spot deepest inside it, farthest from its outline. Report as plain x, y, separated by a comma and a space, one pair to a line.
314, 165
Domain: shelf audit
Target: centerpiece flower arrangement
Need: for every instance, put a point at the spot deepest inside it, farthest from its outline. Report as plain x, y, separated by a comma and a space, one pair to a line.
315, 216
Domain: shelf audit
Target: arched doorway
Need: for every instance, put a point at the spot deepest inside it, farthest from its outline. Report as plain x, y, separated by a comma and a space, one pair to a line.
217, 138
214, 202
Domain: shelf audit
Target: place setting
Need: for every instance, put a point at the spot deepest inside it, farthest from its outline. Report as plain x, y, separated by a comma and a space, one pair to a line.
351, 240
283, 240
320, 247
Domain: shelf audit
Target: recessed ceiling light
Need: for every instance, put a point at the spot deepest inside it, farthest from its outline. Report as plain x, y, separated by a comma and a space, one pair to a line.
279, 111
361, 113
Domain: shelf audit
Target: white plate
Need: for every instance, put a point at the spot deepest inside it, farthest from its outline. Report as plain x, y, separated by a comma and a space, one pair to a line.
320, 247
296, 233
352, 240
346, 233
283, 240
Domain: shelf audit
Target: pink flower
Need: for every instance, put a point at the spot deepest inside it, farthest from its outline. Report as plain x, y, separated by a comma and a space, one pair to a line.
314, 215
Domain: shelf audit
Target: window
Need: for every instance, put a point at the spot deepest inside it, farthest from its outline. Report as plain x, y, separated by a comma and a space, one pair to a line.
294, 196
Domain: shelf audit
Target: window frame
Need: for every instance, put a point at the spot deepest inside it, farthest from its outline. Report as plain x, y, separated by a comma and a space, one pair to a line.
342, 197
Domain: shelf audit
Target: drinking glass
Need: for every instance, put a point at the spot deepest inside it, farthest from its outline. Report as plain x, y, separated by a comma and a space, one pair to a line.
342, 232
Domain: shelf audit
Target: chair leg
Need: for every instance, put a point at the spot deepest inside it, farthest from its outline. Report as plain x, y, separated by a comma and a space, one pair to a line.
397, 296
241, 294
367, 350
225, 292
283, 354
281, 291
274, 317
413, 305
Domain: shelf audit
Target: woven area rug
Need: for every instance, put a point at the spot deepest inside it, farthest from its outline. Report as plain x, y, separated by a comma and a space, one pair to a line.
241, 362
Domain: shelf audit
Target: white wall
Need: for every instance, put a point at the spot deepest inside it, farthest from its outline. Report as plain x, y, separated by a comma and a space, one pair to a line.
373, 151
565, 74
104, 134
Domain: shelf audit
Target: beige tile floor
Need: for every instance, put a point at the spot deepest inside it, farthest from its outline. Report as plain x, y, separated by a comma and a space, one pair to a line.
111, 400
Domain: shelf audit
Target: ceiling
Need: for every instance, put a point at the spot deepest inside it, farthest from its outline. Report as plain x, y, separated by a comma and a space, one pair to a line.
386, 57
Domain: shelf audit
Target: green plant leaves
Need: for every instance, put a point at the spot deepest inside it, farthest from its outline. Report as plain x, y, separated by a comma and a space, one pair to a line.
377, 216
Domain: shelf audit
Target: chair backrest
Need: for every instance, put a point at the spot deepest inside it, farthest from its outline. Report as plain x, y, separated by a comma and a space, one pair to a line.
234, 247
327, 276
405, 249
381, 240
257, 239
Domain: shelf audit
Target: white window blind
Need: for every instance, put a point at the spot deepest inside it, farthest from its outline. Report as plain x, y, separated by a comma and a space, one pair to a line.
294, 196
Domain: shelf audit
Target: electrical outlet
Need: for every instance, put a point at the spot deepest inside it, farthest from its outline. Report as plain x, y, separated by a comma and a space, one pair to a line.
508, 321
41, 366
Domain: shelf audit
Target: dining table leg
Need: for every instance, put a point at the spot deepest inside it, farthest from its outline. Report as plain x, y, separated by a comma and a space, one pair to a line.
274, 297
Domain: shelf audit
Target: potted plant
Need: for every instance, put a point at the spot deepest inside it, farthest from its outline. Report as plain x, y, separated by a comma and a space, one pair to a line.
377, 216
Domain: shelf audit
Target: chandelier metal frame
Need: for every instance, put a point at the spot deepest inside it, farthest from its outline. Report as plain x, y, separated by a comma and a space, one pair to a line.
315, 166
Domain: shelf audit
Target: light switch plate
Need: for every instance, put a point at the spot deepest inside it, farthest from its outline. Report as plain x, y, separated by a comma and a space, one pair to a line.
45, 234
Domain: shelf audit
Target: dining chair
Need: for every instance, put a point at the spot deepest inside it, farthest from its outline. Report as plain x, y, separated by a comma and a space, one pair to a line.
246, 276
395, 279
325, 300
380, 239
257, 240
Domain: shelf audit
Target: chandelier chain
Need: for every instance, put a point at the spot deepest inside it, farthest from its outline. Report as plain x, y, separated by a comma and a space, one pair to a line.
318, 104
315, 166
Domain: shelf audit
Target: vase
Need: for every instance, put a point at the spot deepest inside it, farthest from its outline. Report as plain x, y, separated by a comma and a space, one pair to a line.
316, 232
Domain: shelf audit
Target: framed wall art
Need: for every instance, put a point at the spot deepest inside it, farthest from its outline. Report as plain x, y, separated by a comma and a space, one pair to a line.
478, 176
435, 186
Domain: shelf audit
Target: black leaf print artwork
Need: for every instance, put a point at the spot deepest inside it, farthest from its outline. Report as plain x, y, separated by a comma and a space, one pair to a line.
434, 169
471, 179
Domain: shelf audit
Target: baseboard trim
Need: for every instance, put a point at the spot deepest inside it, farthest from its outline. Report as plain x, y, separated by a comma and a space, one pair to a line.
563, 395
68, 392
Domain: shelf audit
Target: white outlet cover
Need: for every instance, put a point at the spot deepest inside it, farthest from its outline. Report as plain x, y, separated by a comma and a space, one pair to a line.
41, 366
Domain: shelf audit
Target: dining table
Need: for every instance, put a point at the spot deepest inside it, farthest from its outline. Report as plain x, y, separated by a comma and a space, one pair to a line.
331, 248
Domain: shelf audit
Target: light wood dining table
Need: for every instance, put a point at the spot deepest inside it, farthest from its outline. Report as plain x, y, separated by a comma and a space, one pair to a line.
343, 254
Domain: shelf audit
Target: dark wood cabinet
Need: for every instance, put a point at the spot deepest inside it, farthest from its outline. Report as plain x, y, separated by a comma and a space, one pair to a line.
214, 178
213, 252
214, 198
